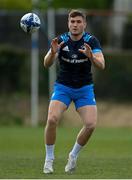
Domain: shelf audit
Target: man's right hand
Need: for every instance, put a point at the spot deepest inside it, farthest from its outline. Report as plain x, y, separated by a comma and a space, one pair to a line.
55, 46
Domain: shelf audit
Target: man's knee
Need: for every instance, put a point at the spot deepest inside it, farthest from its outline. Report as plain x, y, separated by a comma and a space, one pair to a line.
52, 121
90, 126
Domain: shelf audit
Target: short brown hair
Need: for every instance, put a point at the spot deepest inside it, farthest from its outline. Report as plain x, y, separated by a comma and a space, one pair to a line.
74, 12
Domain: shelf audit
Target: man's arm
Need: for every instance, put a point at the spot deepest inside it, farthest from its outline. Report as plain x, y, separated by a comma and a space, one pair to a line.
49, 58
52, 53
96, 58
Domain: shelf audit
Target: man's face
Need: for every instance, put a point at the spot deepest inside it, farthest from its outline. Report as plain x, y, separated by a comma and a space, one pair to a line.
76, 25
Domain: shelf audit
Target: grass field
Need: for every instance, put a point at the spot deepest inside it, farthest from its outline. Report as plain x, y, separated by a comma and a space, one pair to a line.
108, 154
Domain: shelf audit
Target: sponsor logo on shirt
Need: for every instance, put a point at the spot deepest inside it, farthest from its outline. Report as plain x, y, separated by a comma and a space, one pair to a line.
74, 60
65, 48
74, 56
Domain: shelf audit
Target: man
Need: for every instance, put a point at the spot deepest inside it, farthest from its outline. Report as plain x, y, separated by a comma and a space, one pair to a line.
76, 51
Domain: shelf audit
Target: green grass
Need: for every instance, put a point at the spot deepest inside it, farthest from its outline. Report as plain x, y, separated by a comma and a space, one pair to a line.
108, 154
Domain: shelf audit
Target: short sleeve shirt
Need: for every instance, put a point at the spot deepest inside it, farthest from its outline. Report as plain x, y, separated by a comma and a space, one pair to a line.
74, 66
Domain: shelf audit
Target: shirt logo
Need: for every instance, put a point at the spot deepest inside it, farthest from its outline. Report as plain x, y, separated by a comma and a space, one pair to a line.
74, 60
83, 47
74, 56
65, 48
93, 99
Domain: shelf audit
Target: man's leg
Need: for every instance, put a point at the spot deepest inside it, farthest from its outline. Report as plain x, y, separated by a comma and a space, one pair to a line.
88, 115
56, 108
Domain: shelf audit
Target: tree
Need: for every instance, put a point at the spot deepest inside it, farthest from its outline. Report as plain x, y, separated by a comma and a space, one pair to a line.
43, 4
15, 4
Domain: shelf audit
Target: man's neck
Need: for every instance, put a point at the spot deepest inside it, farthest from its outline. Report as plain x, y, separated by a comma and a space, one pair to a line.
76, 37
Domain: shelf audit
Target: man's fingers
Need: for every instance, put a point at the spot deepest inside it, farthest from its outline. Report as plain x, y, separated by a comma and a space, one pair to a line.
61, 43
55, 39
81, 50
87, 46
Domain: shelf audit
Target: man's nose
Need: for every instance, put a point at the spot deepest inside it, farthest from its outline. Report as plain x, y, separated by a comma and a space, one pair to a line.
75, 24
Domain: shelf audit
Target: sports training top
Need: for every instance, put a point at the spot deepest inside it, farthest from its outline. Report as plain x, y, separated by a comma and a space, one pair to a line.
75, 67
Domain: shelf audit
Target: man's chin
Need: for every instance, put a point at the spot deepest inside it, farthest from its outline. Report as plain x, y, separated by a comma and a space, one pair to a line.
75, 34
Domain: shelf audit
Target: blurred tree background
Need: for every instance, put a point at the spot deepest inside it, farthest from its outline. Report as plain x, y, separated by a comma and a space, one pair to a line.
112, 84
15, 5
27, 4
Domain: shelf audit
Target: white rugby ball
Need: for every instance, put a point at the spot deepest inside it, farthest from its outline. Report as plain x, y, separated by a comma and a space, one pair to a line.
30, 22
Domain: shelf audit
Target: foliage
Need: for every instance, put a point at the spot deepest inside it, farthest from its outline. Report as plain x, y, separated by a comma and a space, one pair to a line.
15, 4
14, 73
14, 120
94, 4
127, 35
44, 4
115, 81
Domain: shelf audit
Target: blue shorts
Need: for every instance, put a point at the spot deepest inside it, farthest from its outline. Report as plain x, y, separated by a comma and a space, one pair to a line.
81, 96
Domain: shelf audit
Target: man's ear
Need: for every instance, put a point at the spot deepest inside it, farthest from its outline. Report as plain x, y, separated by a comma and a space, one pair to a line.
68, 22
85, 25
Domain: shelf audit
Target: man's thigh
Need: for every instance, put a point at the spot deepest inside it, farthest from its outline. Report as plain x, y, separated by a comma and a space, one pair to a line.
56, 108
88, 114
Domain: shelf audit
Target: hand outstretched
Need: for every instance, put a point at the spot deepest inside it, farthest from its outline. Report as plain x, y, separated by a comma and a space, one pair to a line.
55, 46
87, 51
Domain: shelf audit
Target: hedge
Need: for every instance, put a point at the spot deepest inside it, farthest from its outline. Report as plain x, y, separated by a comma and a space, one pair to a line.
114, 82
